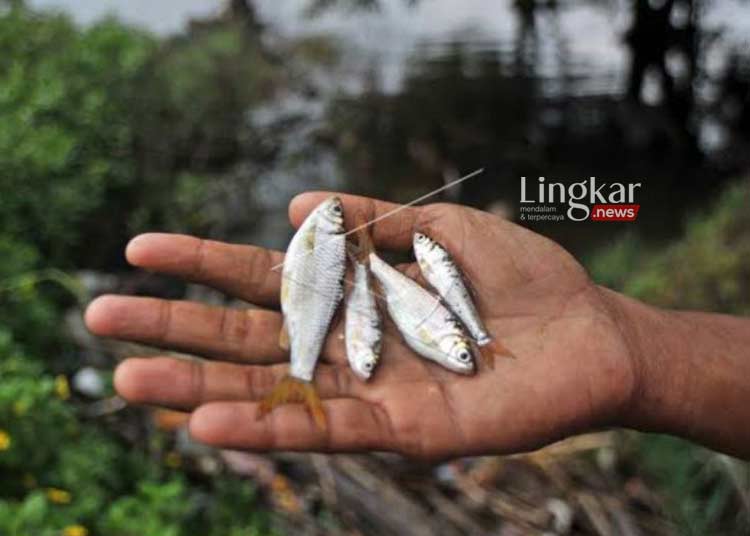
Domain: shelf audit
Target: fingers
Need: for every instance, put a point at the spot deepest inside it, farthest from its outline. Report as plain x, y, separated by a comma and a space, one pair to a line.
247, 272
242, 271
393, 231
236, 334
353, 425
187, 383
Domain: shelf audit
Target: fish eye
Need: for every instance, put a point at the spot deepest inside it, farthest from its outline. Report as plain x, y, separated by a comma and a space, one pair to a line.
336, 209
368, 365
420, 237
464, 355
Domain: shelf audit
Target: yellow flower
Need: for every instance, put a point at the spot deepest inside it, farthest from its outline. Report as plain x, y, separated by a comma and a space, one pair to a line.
58, 496
173, 460
4, 440
61, 387
75, 530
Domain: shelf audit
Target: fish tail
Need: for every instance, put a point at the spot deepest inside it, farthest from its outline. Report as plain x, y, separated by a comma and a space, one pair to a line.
492, 350
292, 390
364, 240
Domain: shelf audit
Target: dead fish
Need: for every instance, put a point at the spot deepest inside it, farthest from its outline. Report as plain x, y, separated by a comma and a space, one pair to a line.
311, 289
426, 325
363, 326
442, 273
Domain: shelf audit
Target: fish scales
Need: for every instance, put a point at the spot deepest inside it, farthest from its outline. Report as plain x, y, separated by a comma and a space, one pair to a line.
427, 326
363, 327
442, 273
311, 290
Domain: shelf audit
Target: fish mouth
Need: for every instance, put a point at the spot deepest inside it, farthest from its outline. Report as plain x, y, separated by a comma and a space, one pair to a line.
422, 242
466, 366
362, 373
466, 370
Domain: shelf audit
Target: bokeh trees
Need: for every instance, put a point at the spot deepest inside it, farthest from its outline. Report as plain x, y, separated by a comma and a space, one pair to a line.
72, 191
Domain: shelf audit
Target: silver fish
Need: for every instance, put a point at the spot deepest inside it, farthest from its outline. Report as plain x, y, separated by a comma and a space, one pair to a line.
441, 272
363, 329
427, 326
311, 289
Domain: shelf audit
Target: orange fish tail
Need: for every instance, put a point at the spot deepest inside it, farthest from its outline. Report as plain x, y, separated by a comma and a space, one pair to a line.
492, 350
290, 391
488, 356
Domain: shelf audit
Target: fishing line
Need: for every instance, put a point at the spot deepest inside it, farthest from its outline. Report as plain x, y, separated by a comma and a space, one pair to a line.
396, 210
388, 214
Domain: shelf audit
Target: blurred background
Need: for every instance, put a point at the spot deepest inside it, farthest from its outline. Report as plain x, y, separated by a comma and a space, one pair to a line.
207, 116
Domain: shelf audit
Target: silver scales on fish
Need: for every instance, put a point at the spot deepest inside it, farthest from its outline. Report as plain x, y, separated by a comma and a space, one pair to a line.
442, 273
363, 328
312, 287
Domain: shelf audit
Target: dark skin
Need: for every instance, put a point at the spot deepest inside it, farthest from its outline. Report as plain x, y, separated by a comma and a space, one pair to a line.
586, 357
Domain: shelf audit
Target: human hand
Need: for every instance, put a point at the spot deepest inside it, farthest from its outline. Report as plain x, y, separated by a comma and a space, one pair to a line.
574, 367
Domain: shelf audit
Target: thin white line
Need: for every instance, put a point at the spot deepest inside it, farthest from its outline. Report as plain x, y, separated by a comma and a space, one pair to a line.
417, 200
398, 209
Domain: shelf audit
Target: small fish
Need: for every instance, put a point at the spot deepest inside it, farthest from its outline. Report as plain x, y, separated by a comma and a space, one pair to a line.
427, 326
442, 273
311, 289
363, 326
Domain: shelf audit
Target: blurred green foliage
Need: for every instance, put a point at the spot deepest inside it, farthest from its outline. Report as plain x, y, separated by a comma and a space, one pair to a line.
708, 269
112, 131
64, 145
60, 471
70, 176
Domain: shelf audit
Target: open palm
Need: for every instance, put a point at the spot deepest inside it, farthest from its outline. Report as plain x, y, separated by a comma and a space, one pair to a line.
572, 369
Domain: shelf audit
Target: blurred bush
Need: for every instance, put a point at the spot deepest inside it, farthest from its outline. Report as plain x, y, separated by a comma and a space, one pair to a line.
69, 178
709, 270
64, 143
64, 475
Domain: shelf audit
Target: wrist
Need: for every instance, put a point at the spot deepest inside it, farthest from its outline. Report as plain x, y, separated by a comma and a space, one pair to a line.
690, 374
634, 321
653, 337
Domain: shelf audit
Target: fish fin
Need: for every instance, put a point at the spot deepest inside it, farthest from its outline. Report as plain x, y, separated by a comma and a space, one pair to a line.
364, 240
284, 336
284, 295
315, 406
492, 350
292, 390
488, 356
